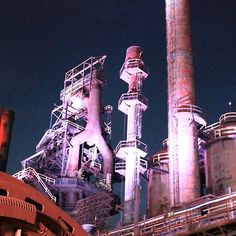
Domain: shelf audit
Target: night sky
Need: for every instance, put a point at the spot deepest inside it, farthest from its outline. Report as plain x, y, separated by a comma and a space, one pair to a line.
42, 39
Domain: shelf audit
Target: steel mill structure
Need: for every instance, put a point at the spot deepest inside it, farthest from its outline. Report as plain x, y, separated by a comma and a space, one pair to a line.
191, 181
73, 163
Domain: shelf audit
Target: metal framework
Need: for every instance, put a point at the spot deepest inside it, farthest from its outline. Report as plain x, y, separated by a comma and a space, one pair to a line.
208, 215
67, 121
49, 169
94, 209
30, 172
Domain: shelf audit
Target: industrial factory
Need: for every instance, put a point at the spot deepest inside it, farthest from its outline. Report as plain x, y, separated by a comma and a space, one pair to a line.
66, 188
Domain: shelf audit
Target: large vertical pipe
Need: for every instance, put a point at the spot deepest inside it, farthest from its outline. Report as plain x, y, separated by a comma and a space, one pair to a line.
92, 133
94, 126
6, 124
179, 52
183, 165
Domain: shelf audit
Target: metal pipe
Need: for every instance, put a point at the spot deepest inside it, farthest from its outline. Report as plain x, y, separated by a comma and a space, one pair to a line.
6, 123
92, 133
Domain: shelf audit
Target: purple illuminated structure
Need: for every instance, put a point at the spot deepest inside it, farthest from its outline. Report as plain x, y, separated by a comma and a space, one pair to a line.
183, 115
73, 163
132, 151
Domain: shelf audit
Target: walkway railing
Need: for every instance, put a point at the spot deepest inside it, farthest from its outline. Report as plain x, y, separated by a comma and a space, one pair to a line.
25, 173
203, 216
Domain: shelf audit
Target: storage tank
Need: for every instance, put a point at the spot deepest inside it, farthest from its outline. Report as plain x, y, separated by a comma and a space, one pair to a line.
221, 155
158, 184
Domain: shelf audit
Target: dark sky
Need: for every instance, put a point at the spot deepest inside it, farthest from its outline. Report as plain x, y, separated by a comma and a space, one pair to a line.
42, 39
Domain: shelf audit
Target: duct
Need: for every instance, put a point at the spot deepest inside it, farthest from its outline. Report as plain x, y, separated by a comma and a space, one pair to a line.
6, 124
92, 133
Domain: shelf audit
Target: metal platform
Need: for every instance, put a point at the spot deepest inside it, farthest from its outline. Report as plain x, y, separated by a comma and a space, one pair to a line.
206, 216
134, 98
125, 147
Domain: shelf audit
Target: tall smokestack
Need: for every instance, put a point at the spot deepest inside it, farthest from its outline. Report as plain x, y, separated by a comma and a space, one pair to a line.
6, 124
183, 115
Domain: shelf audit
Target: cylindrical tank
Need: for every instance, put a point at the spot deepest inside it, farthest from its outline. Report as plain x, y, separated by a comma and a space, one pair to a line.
6, 123
221, 153
158, 183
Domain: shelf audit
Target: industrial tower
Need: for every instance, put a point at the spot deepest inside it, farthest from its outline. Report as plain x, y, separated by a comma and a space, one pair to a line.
132, 151
191, 147
183, 115
73, 163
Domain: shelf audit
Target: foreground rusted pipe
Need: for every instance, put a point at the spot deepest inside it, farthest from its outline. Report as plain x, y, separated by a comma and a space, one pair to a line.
6, 123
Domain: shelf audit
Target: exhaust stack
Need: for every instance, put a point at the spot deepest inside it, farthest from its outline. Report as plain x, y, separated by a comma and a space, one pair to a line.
6, 123
183, 115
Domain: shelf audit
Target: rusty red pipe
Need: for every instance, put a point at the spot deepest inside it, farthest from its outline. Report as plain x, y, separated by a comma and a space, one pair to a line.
6, 123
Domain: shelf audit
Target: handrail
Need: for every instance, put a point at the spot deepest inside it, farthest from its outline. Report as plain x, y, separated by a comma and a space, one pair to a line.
31, 157
224, 118
122, 165
143, 163
160, 157
165, 142
133, 95
211, 127
225, 132
134, 143
75, 86
229, 116
211, 210
188, 108
135, 62
25, 172
82, 67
